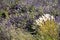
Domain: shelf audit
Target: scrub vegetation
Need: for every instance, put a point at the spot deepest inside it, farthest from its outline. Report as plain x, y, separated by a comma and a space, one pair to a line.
29, 20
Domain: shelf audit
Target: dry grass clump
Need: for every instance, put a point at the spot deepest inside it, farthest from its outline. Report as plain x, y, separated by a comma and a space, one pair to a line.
47, 30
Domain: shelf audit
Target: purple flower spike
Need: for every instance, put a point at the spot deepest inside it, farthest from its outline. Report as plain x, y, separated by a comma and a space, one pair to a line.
57, 19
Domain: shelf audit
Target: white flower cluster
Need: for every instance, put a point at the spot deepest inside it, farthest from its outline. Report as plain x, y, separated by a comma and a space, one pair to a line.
44, 18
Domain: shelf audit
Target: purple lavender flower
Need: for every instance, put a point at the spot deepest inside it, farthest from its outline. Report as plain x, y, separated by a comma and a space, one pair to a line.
8, 23
29, 1
57, 19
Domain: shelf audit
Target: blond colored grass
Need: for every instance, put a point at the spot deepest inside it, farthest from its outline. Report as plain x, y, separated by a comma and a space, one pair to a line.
48, 30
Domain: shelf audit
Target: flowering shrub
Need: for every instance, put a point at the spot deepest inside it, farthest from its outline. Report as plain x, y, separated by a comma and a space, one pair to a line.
28, 19
47, 27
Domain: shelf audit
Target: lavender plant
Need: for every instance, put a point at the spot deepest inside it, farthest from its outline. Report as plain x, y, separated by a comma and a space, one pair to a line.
28, 19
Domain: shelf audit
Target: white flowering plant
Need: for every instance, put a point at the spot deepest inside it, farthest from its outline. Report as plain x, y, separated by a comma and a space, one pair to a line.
47, 29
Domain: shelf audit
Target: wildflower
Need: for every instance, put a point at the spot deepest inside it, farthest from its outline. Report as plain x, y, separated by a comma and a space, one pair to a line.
37, 22
44, 18
47, 16
40, 19
52, 17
